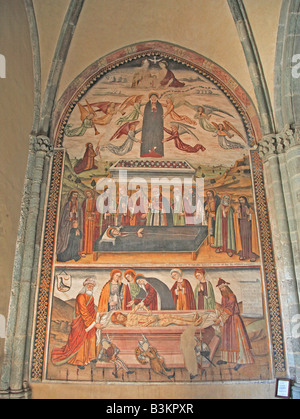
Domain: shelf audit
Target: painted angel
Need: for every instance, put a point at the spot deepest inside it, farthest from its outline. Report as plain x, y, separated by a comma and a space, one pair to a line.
170, 111
129, 129
178, 129
223, 131
87, 121
109, 109
134, 102
204, 114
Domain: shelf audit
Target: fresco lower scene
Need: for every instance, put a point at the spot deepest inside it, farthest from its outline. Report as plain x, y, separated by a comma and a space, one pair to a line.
157, 273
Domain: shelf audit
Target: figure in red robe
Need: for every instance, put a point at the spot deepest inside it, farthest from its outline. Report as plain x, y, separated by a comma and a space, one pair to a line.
169, 78
182, 292
91, 222
80, 348
88, 161
174, 135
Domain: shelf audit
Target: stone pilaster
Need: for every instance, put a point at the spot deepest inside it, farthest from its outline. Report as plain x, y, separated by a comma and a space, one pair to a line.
13, 384
279, 153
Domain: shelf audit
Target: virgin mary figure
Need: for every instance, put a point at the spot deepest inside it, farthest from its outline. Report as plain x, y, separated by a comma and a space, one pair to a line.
153, 128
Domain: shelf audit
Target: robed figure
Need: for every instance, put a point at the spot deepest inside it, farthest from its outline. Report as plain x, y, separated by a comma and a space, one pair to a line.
153, 128
225, 234
111, 297
80, 348
236, 345
72, 251
91, 222
182, 292
71, 212
247, 237
147, 289
88, 160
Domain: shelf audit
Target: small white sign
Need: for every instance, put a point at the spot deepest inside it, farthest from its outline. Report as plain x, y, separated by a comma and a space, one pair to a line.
2, 67
296, 66
2, 327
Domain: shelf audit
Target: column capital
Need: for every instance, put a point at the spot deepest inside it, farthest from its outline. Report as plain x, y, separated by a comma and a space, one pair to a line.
274, 144
44, 144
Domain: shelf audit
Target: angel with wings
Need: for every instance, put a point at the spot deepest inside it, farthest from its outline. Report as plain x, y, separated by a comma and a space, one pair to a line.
178, 129
223, 131
129, 129
134, 102
87, 121
204, 113
170, 111
89, 118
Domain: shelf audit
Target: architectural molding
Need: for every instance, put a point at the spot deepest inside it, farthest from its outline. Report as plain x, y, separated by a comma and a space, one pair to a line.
252, 56
274, 144
58, 62
43, 144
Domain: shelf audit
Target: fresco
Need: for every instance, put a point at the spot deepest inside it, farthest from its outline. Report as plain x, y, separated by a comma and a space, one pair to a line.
157, 273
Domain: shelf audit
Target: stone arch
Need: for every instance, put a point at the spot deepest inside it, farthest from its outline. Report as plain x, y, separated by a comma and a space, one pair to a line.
287, 88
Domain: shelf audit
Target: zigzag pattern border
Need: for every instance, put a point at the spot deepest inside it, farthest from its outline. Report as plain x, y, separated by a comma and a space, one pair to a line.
46, 268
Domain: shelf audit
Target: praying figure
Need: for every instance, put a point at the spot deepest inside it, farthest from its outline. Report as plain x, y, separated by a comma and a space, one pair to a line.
182, 292
153, 128
88, 161
247, 231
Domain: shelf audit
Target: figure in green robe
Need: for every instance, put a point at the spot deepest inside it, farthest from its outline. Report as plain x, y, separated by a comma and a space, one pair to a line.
224, 229
204, 292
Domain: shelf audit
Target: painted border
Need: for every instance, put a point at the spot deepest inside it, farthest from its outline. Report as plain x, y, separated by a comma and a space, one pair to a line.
245, 107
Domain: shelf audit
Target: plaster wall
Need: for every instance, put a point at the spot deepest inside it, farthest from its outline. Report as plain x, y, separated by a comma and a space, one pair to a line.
16, 104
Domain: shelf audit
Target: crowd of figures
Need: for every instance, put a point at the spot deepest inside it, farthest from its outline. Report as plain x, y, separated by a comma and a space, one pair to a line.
145, 302
231, 228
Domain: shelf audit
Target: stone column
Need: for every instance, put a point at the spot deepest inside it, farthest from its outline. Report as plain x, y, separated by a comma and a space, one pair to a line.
278, 156
12, 384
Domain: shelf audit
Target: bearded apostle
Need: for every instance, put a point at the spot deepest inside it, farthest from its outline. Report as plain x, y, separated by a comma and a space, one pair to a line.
204, 293
91, 220
235, 346
111, 297
81, 348
225, 240
247, 243
182, 291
